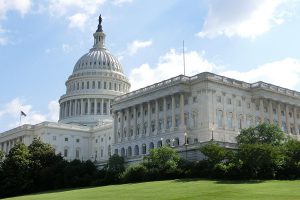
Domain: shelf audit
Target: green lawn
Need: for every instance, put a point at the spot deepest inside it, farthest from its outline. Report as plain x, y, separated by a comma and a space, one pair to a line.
181, 189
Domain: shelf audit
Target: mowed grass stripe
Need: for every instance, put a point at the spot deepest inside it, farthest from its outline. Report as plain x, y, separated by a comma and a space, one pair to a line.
181, 189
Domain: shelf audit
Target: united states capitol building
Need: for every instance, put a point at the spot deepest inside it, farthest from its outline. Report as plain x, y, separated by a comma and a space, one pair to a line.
100, 117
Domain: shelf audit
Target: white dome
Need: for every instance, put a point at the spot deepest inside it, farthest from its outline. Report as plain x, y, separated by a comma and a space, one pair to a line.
96, 80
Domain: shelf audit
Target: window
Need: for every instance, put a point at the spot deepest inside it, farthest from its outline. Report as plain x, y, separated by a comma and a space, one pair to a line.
104, 87
219, 99
104, 108
186, 101
168, 106
239, 103
88, 85
290, 114
145, 128
82, 85
99, 84
160, 108
144, 148
220, 118
282, 113
176, 121
248, 105
153, 110
77, 153
160, 124
145, 112
153, 126
228, 101
274, 111
66, 153
115, 87
98, 107
265, 109
77, 86
96, 140
169, 121
139, 114
66, 139
229, 121
54, 138
101, 152
77, 140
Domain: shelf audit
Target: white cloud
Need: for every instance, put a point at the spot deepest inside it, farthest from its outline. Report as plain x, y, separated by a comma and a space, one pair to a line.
22, 6
137, 45
284, 73
67, 48
121, 2
169, 65
78, 20
243, 18
3, 40
12, 109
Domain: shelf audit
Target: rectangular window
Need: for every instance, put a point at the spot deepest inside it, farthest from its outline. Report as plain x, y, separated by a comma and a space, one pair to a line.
54, 138
228, 101
66, 153
82, 85
87, 85
110, 86
219, 99
77, 140
94, 85
99, 84
194, 99
104, 85
77, 153
66, 139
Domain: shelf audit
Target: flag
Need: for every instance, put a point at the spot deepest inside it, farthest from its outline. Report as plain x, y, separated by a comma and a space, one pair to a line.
23, 114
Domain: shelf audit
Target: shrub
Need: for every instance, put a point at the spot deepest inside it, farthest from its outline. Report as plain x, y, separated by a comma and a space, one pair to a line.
135, 173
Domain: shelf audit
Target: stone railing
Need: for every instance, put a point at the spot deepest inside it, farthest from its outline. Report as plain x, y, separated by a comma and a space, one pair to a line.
208, 76
17, 129
275, 88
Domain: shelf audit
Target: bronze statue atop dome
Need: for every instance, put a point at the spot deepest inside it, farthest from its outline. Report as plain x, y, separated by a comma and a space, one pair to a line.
100, 25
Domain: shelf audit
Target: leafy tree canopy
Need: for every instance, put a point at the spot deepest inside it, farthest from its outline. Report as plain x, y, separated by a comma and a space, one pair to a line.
163, 159
264, 133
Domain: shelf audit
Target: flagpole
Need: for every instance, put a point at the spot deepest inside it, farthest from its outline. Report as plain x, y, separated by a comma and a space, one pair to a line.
183, 57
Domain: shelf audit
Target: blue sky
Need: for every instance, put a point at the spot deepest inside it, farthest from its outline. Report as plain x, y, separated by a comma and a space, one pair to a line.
40, 41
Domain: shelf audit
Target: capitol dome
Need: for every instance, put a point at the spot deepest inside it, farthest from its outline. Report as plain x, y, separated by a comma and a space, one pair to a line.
96, 80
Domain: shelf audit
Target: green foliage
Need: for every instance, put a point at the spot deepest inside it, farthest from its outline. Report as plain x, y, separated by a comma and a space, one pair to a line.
264, 133
214, 153
116, 164
16, 168
135, 173
163, 159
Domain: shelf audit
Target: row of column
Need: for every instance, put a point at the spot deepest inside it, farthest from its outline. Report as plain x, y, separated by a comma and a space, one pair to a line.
119, 126
86, 106
7, 145
263, 115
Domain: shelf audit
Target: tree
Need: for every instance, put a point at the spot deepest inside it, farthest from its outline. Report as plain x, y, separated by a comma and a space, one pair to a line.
264, 133
16, 166
214, 153
163, 159
115, 167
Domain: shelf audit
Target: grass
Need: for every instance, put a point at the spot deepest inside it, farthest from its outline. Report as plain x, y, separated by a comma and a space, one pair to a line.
181, 189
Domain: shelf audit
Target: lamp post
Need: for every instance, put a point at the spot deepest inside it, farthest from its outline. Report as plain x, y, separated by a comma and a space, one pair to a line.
161, 142
185, 144
173, 140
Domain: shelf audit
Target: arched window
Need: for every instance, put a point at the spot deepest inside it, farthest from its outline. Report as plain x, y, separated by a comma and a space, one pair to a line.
129, 151
77, 153
176, 142
123, 152
229, 120
159, 144
144, 149
151, 145
168, 142
136, 150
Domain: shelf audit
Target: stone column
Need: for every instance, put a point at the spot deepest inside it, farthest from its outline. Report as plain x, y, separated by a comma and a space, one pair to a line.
224, 111
234, 114
271, 112
122, 124
149, 119
95, 106
156, 116
70, 108
134, 120
295, 120
101, 107
182, 125
115, 120
262, 110
75, 108
279, 115
173, 112
82, 107
128, 122
244, 112
142, 120
108, 107
89, 106
287, 119
165, 114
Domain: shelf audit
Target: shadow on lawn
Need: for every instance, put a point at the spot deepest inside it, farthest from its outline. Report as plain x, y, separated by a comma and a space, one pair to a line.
221, 181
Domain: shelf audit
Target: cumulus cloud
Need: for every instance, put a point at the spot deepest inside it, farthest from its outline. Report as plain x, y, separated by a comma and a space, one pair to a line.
78, 20
22, 6
242, 18
284, 73
121, 2
169, 65
137, 45
12, 109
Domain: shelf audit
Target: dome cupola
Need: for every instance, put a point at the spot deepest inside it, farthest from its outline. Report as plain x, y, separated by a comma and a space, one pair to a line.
96, 80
